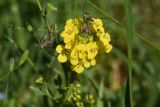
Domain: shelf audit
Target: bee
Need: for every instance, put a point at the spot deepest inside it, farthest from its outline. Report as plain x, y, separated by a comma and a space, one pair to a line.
87, 19
48, 41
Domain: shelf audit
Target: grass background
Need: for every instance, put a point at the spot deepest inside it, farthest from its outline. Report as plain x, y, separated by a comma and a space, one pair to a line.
107, 80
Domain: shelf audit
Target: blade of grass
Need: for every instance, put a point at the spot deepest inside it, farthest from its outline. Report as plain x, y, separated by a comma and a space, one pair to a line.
121, 25
129, 26
11, 63
43, 13
39, 5
100, 102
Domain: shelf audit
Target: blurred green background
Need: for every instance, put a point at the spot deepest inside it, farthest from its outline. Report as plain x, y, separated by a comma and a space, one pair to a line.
22, 24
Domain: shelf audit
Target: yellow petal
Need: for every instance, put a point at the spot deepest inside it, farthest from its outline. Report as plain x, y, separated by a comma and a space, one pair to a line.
100, 30
74, 54
107, 36
108, 48
68, 46
79, 68
93, 62
59, 49
86, 64
69, 22
64, 34
74, 61
90, 55
81, 55
98, 22
62, 58
68, 39
105, 39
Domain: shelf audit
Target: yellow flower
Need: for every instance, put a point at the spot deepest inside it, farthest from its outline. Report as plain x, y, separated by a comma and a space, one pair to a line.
71, 27
69, 22
86, 64
74, 61
59, 48
62, 58
100, 30
74, 54
81, 51
78, 68
97, 22
68, 46
108, 48
90, 99
105, 39
92, 50
68, 39
93, 62
64, 34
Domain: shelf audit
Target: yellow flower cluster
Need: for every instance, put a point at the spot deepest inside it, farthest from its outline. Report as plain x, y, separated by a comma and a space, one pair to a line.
82, 43
90, 99
74, 96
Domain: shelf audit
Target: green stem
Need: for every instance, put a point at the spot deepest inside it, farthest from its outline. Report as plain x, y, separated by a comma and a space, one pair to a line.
5, 97
44, 14
65, 68
129, 26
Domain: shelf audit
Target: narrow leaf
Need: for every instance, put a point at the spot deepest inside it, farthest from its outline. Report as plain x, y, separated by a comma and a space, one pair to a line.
129, 27
23, 58
51, 6
39, 5
100, 103
37, 90
11, 64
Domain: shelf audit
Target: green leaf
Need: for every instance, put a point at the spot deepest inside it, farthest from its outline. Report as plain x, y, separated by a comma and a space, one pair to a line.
62, 75
100, 103
129, 27
57, 96
1, 104
37, 90
39, 5
23, 58
11, 63
51, 6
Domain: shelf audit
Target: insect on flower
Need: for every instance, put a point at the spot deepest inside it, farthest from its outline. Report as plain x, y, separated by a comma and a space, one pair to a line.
47, 41
87, 19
